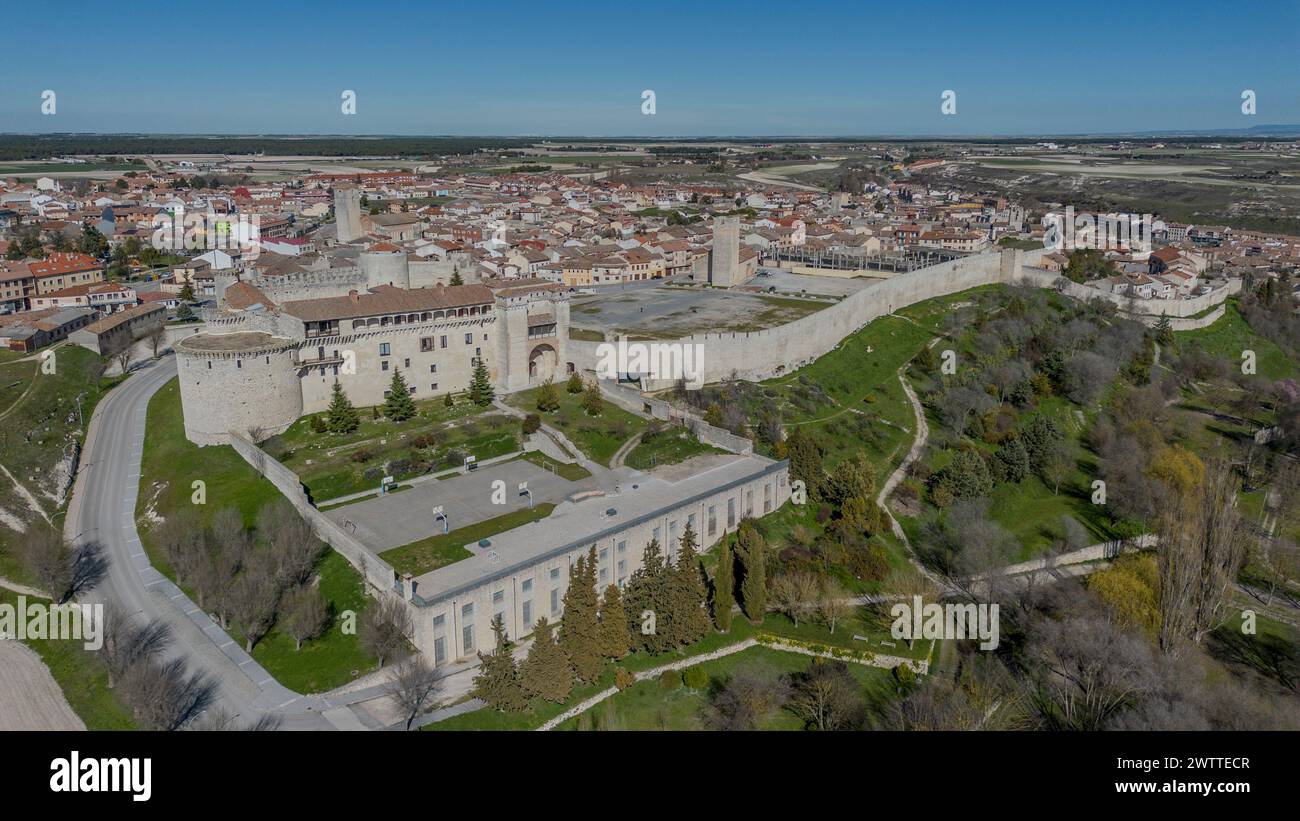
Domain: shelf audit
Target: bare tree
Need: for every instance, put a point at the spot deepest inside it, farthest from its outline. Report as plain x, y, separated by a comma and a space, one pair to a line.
414, 685
832, 602
165, 695
794, 594
254, 597
748, 697
127, 644
826, 697
218, 720
291, 541
156, 338
61, 570
1087, 671
303, 614
1202, 541
385, 624
123, 359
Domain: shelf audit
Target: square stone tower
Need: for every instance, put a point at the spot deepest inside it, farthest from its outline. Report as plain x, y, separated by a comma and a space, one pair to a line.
724, 259
347, 213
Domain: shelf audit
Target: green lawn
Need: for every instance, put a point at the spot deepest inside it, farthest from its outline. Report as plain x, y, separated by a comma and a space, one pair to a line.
437, 438
83, 678
646, 705
599, 437
438, 551
168, 467
565, 470
666, 446
1231, 335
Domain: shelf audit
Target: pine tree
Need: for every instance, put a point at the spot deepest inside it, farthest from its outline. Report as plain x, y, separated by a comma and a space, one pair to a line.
548, 398
399, 406
187, 293
1164, 330
480, 387
647, 592
580, 627
592, 402
456, 278
546, 672
497, 682
690, 622
724, 587
615, 640
805, 461
341, 417
753, 584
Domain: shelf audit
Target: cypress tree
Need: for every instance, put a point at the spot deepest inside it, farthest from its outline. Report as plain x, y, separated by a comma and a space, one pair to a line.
724, 587
690, 621
341, 417
456, 278
399, 406
497, 682
480, 387
615, 640
753, 584
546, 672
806, 461
647, 591
580, 627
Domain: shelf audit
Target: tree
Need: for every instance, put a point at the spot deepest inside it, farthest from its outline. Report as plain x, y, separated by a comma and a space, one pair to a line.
688, 592
752, 550
724, 587
574, 383
398, 405
1013, 460
497, 682
794, 593
647, 593
592, 402
165, 695
185, 312
384, 627
254, 598
123, 359
832, 602
546, 672
341, 416
1164, 330
1201, 544
615, 639
580, 627
481, 391
60, 569
1056, 467
826, 696
548, 397
456, 278
414, 685
745, 699
187, 293
127, 644
292, 543
303, 614
156, 337
805, 456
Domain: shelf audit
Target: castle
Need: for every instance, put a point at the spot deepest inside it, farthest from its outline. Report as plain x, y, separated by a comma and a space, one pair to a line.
278, 342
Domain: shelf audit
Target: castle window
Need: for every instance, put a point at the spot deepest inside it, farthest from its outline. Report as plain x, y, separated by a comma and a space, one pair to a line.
383, 366
239, 363
442, 341
383, 349
433, 387
426, 344
433, 368
209, 364
406, 363
469, 339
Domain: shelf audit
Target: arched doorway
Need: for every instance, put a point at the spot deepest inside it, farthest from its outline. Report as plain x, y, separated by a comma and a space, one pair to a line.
542, 363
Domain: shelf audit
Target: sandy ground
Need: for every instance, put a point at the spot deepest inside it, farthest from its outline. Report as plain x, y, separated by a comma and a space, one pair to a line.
30, 699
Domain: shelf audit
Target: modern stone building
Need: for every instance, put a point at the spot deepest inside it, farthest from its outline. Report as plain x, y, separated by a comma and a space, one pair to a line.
523, 574
258, 370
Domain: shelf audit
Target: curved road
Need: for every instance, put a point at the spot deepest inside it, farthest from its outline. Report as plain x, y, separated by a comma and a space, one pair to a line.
103, 509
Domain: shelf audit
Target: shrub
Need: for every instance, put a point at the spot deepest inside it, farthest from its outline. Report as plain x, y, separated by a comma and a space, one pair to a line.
695, 678
362, 455
317, 424
670, 679
372, 475
532, 423
904, 675
624, 678
399, 466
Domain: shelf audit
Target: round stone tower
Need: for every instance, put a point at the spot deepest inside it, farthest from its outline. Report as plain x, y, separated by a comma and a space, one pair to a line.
240, 382
385, 264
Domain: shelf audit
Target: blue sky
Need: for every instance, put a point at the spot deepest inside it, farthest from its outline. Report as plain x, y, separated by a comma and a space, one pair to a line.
812, 68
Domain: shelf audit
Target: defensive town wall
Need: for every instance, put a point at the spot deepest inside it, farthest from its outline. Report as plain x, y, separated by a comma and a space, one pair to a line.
377, 572
759, 355
1172, 308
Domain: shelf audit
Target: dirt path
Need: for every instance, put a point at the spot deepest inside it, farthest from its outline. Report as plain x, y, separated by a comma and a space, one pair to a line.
32, 698
27, 495
616, 461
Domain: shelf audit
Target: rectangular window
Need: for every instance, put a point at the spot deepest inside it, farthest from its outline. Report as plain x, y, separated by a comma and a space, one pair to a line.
439, 651
498, 597
622, 567
467, 628
433, 368
622, 547
555, 601
749, 502
406, 363
383, 349
713, 520
469, 339
426, 344
654, 534
433, 386
383, 366
767, 497
604, 574
528, 612
527, 586
690, 522
555, 572
442, 341
731, 513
